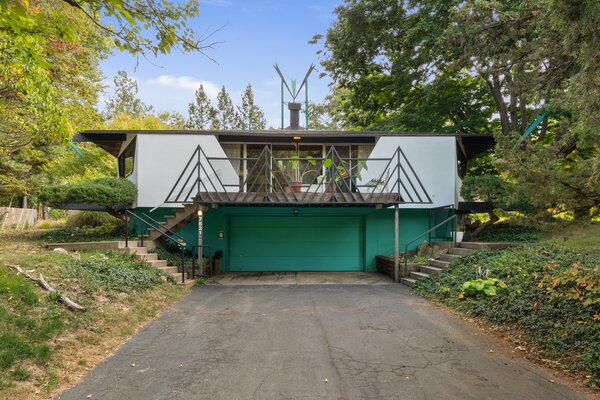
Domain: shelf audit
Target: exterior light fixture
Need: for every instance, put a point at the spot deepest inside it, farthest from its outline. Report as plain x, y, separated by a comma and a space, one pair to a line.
200, 213
297, 137
220, 234
296, 211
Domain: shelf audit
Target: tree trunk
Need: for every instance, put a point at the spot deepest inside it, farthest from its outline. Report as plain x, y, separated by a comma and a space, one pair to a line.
24, 202
493, 219
495, 87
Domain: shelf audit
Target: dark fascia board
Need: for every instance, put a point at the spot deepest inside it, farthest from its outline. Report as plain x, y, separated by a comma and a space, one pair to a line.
111, 140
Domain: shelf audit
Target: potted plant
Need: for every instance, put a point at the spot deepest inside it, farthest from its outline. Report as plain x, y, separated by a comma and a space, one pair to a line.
459, 234
289, 168
340, 174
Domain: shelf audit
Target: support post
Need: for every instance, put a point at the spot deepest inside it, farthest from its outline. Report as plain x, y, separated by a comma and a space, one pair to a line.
306, 102
126, 229
282, 126
200, 238
396, 245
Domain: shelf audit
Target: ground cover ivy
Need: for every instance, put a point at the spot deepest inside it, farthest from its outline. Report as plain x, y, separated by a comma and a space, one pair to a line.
552, 295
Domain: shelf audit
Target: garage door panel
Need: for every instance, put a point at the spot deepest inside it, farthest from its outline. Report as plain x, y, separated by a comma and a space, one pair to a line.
296, 243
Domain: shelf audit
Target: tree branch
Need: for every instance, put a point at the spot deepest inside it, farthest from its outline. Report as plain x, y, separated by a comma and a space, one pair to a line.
44, 285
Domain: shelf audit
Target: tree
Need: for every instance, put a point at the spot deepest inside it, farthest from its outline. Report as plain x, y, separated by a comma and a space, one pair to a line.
201, 113
226, 117
49, 85
142, 27
481, 66
250, 116
125, 100
391, 71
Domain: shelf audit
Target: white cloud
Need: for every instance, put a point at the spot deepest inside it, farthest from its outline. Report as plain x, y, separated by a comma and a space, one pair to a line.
186, 83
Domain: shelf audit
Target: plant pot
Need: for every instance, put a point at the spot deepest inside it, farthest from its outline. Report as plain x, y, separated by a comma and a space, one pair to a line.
330, 187
459, 236
294, 187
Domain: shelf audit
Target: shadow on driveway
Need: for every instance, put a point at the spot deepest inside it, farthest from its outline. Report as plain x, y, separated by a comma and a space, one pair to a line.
312, 342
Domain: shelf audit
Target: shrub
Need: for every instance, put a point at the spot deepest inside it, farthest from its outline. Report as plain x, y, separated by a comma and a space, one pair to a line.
476, 287
506, 232
92, 219
113, 272
85, 234
106, 192
551, 296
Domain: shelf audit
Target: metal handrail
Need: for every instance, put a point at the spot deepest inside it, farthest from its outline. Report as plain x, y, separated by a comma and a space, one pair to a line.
180, 242
452, 218
199, 182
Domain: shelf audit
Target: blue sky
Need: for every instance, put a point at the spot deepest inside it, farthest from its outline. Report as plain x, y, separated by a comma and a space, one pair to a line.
255, 34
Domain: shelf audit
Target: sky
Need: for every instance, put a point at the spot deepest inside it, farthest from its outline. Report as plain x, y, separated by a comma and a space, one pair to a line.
252, 35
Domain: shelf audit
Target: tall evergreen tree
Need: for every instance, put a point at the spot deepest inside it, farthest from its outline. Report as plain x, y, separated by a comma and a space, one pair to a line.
124, 99
250, 116
226, 115
201, 112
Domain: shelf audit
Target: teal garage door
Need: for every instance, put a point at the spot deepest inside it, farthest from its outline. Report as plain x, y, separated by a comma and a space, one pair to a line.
273, 243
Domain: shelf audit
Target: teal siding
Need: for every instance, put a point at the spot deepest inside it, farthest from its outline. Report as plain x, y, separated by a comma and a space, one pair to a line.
189, 232
377, 227
275, 239
293, 243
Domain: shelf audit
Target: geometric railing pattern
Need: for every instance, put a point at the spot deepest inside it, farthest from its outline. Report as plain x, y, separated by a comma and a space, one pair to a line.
323, 181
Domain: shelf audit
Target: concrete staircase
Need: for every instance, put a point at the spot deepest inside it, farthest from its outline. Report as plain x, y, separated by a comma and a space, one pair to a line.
141, 253
438, 264
175, 222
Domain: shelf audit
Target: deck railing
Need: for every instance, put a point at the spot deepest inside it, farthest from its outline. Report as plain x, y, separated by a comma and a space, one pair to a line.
270, 180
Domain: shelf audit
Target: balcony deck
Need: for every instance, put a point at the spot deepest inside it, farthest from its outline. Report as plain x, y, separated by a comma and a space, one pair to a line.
304, 198
327, 181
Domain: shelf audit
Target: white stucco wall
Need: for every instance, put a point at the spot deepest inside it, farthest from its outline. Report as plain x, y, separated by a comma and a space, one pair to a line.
160, 159
433, 159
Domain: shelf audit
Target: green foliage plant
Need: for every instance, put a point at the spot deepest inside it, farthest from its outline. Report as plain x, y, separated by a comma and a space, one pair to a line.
114, 273
476, 287
551, 298
106, 192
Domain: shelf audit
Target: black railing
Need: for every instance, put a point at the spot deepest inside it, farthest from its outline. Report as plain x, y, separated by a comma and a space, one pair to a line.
451, 219
325, 180
148, 222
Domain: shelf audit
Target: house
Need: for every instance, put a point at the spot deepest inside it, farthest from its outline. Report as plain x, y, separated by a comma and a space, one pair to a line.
294, 200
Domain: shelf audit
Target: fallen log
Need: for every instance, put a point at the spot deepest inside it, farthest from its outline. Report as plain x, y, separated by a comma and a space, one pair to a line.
44, 285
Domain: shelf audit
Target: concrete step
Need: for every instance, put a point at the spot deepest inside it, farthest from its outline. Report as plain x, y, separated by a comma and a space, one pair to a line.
431, 270
135, 250
449, 257
157, 263
439, 263
408, 281
418, 275
487, 245
189, 283
460, 251
169, 270
147, 256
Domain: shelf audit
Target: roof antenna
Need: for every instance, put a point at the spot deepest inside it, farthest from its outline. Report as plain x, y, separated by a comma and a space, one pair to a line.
293, 106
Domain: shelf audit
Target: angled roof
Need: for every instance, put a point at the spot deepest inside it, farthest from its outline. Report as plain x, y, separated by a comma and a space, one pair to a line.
111, 140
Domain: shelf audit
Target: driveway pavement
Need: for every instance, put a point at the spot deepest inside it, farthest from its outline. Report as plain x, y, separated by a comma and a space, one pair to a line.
312, 342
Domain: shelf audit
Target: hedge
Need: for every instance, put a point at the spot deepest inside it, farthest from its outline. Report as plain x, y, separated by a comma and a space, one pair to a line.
106, 192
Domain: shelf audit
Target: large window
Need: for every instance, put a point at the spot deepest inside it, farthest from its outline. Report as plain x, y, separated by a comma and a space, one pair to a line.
127, 160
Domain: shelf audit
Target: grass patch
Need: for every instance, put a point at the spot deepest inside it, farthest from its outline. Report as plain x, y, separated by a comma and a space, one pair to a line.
552, 296
43, 345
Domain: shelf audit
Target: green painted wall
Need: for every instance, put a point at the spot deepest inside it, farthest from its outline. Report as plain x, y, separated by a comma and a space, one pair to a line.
189, 232
378, 226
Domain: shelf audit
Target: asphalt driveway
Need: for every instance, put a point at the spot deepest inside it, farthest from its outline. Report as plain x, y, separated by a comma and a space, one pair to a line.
312, 342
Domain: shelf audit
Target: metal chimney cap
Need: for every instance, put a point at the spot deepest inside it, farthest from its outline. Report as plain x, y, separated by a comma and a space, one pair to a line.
294, 106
